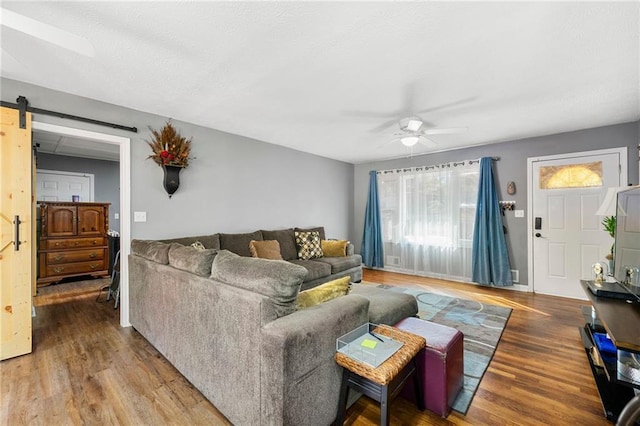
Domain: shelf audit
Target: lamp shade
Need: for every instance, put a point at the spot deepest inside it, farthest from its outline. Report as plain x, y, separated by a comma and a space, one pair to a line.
409, 140
608, 206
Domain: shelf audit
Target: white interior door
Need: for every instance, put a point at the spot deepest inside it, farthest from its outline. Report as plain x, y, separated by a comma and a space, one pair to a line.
62, 186
566, 193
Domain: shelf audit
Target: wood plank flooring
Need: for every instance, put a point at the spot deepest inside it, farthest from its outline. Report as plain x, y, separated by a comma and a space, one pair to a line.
86, 369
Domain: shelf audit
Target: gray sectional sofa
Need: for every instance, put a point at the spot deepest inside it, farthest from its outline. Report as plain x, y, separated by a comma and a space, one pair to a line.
229, 324
319, 270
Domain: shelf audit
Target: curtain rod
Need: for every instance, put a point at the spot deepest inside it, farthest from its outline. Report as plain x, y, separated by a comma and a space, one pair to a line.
434, 166
23, 106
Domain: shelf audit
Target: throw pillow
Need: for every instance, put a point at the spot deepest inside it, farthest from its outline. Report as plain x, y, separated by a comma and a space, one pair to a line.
154, 251
191, 259
278, 280
323, 293
198, 245
308, 244
334, 248
269, 249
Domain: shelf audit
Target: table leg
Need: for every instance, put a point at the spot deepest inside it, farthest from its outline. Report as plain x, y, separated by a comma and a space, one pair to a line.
342, 400
417, 385
384, 405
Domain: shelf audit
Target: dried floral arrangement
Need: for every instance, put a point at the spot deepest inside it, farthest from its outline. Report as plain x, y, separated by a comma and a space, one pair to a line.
169, 147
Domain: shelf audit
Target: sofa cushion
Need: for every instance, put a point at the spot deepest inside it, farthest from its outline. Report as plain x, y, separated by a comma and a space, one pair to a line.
155, 251
278, 280
318, 229
323, 293
385, 306
268, 249
287, 241
308, 244
191, 259
239, 243
339, 264
314, 269
208, 241
334, 248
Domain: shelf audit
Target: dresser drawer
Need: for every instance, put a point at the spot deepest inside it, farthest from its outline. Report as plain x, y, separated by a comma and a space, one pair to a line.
76, 268
75, 243
72, 256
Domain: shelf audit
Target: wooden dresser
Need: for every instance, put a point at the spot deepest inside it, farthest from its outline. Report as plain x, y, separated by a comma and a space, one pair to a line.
73, 240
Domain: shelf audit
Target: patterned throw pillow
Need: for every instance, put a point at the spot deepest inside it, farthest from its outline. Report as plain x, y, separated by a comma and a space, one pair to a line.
198, 245
308, 244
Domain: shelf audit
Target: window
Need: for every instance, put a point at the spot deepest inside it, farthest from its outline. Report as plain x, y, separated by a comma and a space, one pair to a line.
428, 214
571, 176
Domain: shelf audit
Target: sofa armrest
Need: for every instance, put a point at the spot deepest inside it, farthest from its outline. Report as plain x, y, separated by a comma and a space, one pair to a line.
350, 249
297, 361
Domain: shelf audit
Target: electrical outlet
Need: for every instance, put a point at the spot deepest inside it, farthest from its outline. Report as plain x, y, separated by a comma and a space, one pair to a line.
116, 216
139, 216
519, 213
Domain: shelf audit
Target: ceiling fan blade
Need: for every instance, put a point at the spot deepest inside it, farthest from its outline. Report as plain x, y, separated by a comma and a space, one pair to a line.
447, 105
443, 131
427, 142
383, 126
46, 32
388, 143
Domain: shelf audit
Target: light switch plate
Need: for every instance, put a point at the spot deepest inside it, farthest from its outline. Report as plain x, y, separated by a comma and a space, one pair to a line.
116, 215
519, 213
139, 216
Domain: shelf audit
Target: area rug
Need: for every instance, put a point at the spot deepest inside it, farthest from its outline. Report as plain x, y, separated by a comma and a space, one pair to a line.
482, 325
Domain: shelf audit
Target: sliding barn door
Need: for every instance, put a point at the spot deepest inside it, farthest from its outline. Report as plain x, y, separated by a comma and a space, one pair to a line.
16, 238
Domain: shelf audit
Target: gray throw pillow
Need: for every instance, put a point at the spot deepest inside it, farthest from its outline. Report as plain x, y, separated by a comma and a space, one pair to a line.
155, 251
279, 280
191, 259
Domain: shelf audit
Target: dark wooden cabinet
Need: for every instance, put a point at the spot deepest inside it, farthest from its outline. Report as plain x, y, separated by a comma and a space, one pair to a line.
73, 240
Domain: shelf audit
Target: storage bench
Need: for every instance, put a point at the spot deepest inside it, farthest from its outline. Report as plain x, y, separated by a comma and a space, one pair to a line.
441, 364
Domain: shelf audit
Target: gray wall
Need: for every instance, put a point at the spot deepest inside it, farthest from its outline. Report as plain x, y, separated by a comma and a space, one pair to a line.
511, 167
235, 184
106, 178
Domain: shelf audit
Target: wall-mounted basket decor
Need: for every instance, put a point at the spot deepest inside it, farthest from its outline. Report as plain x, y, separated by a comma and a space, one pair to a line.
171, 152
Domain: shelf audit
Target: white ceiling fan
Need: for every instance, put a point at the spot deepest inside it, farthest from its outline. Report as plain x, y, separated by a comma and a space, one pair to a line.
413, 131
46, 32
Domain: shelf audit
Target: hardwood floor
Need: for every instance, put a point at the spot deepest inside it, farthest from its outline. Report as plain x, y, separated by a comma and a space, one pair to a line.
86, 369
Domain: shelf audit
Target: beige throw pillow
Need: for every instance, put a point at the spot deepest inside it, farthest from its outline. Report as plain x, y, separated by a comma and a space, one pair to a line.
269, 249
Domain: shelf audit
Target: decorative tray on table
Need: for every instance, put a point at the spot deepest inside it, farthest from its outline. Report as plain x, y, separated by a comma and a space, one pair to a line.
366, 345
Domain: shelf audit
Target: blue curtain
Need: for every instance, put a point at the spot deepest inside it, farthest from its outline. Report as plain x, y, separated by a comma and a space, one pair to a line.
372, 250
490, 259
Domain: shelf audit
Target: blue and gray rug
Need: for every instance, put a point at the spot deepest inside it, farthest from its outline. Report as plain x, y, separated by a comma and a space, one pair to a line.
481, 323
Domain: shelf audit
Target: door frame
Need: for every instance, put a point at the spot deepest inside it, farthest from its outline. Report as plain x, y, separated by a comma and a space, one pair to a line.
124, 144
623, 179
91, 177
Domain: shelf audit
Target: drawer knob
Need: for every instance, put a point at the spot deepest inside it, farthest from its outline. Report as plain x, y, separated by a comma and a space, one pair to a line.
58, 269
58, 258
95, 242
76, 243
93, 255
94, 266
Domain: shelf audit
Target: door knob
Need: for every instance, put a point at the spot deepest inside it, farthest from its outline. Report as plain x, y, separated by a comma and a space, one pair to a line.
538, 235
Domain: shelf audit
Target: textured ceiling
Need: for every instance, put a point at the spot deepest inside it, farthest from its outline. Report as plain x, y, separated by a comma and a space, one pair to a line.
331, 78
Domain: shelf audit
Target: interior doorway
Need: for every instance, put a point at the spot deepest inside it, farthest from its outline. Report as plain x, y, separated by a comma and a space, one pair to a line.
565, 235
124, 145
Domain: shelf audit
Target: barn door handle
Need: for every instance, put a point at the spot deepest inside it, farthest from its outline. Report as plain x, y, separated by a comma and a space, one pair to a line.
16, 228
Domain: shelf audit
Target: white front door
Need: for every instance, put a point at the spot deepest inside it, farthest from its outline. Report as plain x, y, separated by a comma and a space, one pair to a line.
62, 186
567, 235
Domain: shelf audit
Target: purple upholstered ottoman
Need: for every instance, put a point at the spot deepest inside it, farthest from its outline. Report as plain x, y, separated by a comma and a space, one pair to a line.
440, 364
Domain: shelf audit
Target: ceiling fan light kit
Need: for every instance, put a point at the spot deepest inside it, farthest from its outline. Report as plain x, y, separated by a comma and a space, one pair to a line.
409, 140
